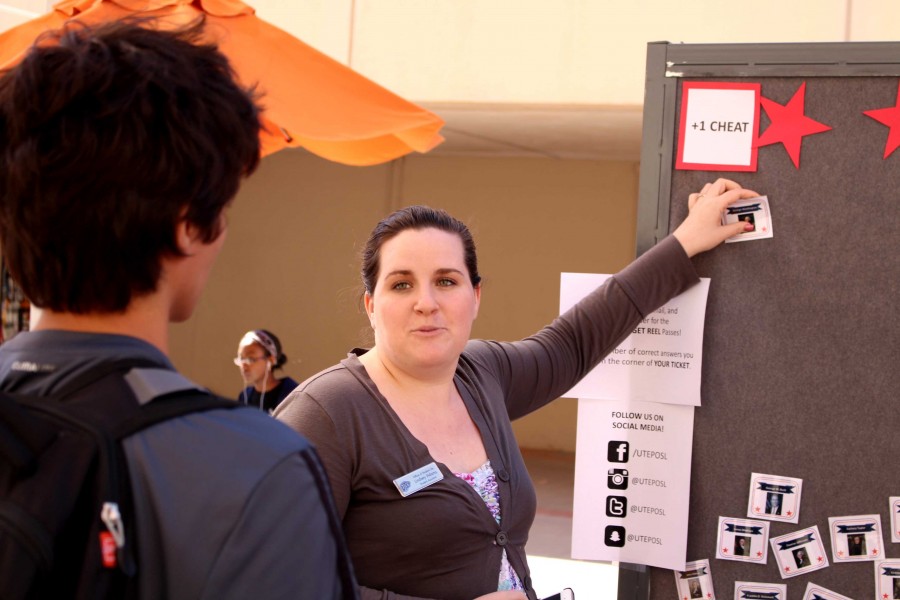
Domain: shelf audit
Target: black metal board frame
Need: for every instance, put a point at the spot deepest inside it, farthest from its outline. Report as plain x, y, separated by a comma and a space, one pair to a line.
662, 199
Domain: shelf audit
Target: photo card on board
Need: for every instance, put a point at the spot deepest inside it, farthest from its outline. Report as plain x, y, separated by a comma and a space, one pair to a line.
774, 497
695, 582
817, 592
744, 540
799, 552
856, 538
752, 590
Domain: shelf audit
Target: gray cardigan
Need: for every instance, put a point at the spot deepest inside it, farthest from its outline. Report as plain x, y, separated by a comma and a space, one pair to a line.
442, 542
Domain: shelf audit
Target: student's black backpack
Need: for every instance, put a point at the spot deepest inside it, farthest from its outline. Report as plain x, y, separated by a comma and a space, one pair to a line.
66, 522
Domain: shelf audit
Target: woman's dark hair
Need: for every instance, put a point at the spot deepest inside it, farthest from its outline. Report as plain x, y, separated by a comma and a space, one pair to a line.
280, 356
109, 137
415, 217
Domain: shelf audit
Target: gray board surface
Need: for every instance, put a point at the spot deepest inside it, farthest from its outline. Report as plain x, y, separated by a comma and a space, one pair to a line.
802, 331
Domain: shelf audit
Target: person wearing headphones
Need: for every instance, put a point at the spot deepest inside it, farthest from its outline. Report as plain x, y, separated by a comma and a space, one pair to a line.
259, 354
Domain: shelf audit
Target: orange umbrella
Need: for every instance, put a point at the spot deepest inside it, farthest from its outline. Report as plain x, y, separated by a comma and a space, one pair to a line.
310, 100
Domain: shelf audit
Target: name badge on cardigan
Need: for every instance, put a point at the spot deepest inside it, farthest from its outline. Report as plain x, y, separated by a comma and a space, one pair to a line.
416, 480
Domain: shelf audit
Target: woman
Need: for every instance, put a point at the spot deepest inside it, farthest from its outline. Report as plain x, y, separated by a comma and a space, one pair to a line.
259, 354
415, 433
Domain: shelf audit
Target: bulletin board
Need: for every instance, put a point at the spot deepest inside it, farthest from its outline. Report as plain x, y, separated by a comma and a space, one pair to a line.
802, 332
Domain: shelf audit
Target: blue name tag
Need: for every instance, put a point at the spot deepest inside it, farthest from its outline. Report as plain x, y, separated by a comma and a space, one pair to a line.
416, 480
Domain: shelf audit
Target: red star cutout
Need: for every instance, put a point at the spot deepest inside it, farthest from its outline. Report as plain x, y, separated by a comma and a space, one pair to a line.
789, 124
891, 118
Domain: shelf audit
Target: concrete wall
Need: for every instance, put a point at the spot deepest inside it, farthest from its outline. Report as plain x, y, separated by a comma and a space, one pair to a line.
551, 52
539, 51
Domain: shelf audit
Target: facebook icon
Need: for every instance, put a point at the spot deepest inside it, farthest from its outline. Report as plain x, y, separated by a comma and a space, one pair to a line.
617, 452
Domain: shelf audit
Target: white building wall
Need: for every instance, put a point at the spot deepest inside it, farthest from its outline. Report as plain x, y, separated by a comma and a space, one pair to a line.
553, 52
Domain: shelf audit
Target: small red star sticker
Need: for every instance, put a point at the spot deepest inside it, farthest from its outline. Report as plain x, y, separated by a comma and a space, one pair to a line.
756, 509
891, 117
884, 596
759, 553
708, 595
725, 550
875, 551
685, 598
841, 553
790, 513
787, 569
820, 559
789, 125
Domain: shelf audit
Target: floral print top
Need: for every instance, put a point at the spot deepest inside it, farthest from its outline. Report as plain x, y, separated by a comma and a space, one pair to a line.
484, 483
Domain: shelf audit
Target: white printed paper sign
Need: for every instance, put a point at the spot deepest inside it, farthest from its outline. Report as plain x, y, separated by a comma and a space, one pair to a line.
887, 579
856, 538
632, 482
817, 592
719, 126
695, 582
799, 552
743, 540
659, 362
774, 498
751, 590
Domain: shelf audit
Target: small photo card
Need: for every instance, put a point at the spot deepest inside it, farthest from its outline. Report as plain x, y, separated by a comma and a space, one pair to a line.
774, 498
695, 582
856, 538
754, 211
817, 592
895, 519
743, 539
750, 590
887, 579
799, 552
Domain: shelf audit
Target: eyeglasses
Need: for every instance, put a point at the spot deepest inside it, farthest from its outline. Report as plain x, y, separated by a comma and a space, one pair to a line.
247, 360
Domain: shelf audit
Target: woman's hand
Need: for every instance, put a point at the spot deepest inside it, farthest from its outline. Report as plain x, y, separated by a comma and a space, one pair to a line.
702, 230
503, 596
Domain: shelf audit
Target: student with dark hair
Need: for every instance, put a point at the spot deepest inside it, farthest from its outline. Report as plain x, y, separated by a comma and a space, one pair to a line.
259, 356
121, 147
416, 432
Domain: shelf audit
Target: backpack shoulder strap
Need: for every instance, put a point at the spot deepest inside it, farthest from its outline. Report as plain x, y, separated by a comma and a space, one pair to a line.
164, 394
